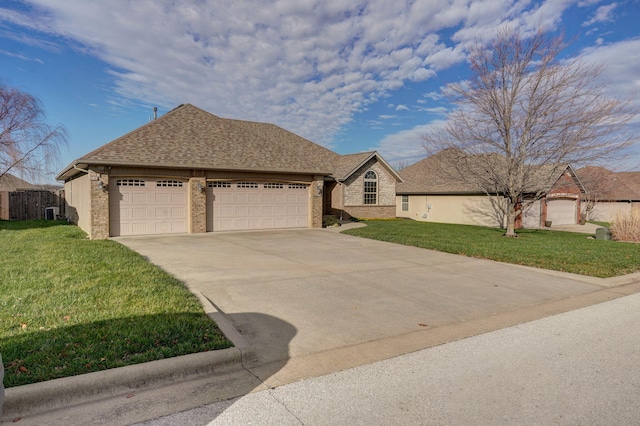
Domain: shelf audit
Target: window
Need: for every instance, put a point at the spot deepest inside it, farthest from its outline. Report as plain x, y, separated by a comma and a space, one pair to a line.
370, 187
247, 185
405, 203
297, 186
273, 185
129, 182
218, 184
169, 183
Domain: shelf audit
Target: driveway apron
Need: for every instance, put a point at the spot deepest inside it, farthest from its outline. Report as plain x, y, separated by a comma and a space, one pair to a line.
338, 291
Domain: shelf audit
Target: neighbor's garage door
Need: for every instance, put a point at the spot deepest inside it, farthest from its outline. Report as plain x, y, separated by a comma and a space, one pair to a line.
562, 211
234, 206
147, 206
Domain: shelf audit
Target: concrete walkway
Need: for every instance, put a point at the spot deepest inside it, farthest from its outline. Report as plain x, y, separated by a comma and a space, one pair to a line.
311, 302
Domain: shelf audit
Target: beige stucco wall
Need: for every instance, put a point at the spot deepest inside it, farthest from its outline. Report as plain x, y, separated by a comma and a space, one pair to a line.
461, 209
77, 198
605, 211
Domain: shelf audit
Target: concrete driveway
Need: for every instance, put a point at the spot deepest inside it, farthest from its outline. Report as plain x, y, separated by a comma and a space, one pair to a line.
338, 301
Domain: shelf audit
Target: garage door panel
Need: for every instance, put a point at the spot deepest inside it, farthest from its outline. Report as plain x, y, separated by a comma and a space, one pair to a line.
147, 206
246, 205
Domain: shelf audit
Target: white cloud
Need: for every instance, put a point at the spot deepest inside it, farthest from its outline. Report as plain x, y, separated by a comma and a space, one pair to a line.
406, 146
602, 14
308, 66
402, 108
621, 62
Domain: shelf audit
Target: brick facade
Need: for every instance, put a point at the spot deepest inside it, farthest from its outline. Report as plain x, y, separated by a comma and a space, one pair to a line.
347, 198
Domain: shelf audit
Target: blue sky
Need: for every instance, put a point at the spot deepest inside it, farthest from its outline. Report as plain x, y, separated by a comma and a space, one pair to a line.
353, 76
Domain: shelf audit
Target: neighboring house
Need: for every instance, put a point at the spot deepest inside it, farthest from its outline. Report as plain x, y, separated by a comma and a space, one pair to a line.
429, 194
191, 171
609, 192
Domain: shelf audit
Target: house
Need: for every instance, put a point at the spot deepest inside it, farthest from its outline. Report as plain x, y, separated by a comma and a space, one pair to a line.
609, 192
429, 193
191, 171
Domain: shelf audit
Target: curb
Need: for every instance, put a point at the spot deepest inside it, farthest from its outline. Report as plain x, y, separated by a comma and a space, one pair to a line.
69, 391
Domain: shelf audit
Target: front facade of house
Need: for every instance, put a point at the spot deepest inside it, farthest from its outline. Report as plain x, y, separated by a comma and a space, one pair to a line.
427, 195
192, 172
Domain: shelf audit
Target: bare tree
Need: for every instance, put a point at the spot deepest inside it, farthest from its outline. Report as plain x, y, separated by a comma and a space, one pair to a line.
523, 116
28, 145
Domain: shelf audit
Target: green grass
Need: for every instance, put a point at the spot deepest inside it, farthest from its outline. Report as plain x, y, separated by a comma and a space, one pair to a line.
69, 305
556, 250
602, 224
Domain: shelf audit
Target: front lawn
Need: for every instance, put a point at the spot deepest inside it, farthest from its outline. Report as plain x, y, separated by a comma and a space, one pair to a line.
69, 305
556, 250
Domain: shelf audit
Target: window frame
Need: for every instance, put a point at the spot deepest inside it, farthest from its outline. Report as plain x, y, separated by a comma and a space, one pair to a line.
405, 203
370, 197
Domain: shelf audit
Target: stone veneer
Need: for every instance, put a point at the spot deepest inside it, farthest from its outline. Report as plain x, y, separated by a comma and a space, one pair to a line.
317, 189
197, 205
99, 207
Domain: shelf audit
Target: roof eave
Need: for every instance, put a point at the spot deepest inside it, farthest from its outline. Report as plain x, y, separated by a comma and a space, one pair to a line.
74, 168
362, 163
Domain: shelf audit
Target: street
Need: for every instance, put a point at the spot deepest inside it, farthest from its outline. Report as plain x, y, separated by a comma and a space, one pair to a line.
579, 367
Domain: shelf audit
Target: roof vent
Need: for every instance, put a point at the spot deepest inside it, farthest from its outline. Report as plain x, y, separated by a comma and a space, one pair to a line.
155, 112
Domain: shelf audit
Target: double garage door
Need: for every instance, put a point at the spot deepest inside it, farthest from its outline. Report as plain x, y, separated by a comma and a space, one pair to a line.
234, 206
140, 206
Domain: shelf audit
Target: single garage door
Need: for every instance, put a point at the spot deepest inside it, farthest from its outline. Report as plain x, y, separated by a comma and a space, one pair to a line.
562, 211
235, 206
140, 206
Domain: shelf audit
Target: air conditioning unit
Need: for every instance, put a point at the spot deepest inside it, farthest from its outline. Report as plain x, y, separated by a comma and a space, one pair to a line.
51, 213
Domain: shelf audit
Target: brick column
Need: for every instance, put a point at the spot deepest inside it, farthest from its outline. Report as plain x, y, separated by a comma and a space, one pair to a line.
99, 183
197, 205
316, 188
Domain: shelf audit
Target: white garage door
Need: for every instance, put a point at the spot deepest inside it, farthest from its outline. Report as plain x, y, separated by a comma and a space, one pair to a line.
141, 206
562, 212
234, 206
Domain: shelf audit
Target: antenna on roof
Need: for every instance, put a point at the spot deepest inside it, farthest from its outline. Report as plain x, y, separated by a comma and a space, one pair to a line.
155, 112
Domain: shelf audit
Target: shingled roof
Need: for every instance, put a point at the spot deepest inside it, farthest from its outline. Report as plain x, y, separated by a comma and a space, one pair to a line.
9, 182
189, 137
426, 177
350, 163
432, 176
606, 185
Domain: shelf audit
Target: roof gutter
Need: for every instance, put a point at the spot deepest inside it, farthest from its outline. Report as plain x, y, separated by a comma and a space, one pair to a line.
75, 166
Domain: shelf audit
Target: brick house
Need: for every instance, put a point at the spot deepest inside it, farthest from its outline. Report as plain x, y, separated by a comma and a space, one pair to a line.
191, 171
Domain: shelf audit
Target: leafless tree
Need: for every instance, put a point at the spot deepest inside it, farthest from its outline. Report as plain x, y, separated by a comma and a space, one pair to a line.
524, 115
28, 145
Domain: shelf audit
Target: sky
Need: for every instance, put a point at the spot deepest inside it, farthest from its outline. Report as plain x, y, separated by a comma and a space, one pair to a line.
354, 76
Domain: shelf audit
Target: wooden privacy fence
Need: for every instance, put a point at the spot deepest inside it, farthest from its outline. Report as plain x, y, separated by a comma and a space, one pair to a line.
31, 204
